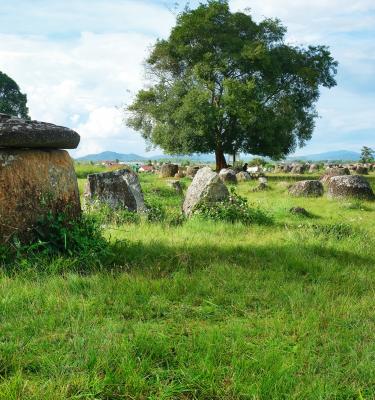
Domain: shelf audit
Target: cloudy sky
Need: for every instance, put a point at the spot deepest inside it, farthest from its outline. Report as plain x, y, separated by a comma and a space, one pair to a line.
80, 61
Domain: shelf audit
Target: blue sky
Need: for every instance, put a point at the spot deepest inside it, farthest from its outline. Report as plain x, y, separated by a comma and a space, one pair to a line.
80, 61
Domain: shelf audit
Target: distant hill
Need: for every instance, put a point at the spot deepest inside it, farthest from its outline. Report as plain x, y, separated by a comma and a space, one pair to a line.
113, 156
342, 155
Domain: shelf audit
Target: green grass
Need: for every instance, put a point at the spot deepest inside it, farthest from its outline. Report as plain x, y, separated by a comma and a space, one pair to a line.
206, 310
83, 169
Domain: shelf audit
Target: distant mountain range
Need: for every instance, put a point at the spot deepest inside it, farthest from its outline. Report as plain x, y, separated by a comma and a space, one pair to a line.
113, 156
342, 155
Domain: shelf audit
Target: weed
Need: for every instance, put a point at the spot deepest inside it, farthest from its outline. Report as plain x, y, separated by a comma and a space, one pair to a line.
235, 209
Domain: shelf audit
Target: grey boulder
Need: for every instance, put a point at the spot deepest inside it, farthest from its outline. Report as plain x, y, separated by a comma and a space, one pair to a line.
228, 175
206, 187
243, 176
21, 133
350, 186
311, 188
118, 189
334, 171
168, 170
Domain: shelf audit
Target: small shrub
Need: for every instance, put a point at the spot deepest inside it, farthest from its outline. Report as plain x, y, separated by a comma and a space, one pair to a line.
54, 236
236, 209
176, 219
257, 161
58, 234
155, 211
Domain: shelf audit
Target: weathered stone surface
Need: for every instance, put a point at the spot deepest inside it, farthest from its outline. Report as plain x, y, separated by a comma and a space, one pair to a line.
20, 133
168, 170
191, 171
228, 175
32, 183
313, 168
206, 187
176, 185
334, 171
118, 189
350, 186
361, 170
298, 169
309, 188
261, 187
181, 173
243, 176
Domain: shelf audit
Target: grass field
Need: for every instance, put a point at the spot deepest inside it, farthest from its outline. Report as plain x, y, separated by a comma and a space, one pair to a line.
204, 310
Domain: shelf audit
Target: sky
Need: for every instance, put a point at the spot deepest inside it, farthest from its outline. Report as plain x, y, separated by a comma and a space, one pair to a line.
81, 61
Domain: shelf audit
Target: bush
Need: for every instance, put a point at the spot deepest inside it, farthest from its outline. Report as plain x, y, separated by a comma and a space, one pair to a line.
155, 211
235, 209
257, 162
59, 235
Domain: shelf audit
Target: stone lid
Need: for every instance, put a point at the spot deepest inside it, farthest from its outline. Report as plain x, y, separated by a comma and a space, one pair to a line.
19, 133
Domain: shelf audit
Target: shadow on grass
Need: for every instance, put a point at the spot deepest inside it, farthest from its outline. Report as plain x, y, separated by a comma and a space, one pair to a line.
160, 259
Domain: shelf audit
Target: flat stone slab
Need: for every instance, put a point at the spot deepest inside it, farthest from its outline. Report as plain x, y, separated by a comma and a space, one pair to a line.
20, 133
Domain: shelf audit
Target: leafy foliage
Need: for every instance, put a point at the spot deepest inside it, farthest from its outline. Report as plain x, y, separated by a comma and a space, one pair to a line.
257, 161
12, 101
235, 209
155, 211
59, 235
224, 83
367, 155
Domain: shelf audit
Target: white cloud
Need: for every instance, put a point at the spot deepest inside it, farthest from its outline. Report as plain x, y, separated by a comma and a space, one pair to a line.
81, 83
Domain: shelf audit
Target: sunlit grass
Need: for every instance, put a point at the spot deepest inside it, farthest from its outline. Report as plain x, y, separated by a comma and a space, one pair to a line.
205, 310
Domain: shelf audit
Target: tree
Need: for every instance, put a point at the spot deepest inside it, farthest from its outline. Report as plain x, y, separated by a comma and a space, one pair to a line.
12, 101
367, 155
223, 83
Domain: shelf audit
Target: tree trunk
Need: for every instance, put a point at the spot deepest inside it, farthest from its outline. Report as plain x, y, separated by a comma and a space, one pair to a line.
220, 158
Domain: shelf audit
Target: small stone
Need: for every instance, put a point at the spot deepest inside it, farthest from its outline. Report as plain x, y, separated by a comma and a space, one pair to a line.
261, 187
243, 176
300, 211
